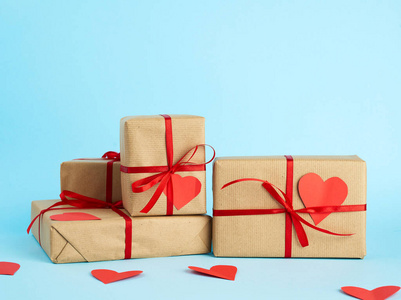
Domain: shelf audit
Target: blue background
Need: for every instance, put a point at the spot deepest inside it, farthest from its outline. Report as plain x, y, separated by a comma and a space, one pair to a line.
270, 77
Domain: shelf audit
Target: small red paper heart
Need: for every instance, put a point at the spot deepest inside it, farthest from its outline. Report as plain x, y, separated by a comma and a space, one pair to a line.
108, 276
8, 268
316, 192
184, 189
379, 293
78, 216
221, 271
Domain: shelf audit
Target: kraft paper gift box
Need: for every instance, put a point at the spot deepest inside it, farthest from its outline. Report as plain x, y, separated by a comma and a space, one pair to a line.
250, 222
97, 178
152, 145
105, 239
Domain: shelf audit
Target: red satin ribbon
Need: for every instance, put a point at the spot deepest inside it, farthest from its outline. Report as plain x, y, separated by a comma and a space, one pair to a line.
84, 202
112, 157
288, 191
164, 172
292, 217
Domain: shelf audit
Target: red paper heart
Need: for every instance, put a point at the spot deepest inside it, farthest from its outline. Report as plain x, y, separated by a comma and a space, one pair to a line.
221, 271
78, 216
184, 189
8, 268
379, 293
316, 192
108, 276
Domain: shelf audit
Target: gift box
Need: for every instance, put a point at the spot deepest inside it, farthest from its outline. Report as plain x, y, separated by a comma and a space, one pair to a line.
116, 235
97, 178
162, 170
284, 206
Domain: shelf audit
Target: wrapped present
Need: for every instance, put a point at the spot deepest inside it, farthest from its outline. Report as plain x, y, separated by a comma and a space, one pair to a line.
163, 165
72, 234
93, 177
301, 206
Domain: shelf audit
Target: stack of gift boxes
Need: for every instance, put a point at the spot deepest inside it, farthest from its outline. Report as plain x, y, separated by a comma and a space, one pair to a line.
150, 200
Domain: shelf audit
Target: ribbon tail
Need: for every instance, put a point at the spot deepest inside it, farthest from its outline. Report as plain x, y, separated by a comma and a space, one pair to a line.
81, 201
42, 213
300, 231
157, 194
321, 229
195, 149
145, 184
32, 222
240, 180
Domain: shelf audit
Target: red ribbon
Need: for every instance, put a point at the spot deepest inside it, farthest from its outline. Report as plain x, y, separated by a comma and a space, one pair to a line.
288, 220
292, 217
112, 157
164, 172
84, 202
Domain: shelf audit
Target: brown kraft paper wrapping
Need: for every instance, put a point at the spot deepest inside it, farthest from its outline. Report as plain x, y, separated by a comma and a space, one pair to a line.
88, 178
143, 144
98, 240
264, 235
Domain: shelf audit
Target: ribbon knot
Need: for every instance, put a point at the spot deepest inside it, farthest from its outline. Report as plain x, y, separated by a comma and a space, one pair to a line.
111, 155
163, 178
295, 218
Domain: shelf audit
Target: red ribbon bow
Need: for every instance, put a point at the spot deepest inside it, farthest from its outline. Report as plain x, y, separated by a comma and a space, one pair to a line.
84, 202
285, 200
163, 178
164, 172
296, 219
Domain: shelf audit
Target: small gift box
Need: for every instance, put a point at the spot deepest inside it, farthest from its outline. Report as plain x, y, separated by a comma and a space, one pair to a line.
97, 178
70, 234
163, 165
301, 206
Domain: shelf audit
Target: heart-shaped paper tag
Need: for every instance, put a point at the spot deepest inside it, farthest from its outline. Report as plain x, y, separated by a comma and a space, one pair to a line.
379, 293
108, 276
184, 189
220, 271
316, 192
74, 216
8, 268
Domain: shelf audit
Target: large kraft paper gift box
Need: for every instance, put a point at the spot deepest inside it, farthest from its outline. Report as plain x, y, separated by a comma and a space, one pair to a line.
153, 145
97, 178
253, 215
106, 239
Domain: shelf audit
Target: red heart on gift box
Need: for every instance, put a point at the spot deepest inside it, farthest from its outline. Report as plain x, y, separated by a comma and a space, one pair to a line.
379, 293
108, 276
221, 271
316, 192
8, 268
184, 189
78, 216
